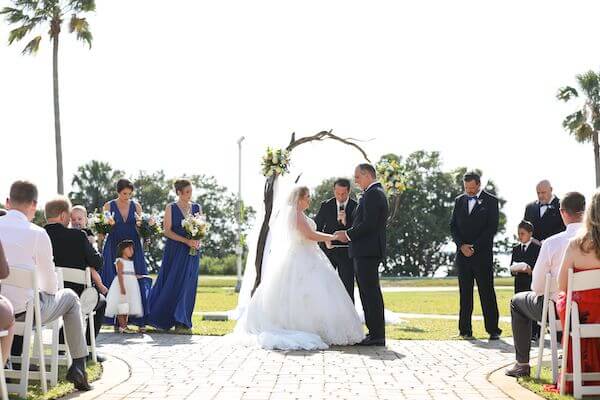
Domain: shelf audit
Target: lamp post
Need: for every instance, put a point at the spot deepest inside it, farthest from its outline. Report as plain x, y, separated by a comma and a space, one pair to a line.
239, 249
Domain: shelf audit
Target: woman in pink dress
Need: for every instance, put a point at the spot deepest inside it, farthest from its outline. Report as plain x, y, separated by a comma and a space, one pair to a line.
582, 254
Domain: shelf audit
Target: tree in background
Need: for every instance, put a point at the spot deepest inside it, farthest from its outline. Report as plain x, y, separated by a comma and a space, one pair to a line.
585, 122
94, 184
31, 15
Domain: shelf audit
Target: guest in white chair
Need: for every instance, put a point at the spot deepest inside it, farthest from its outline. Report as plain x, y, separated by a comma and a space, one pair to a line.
583, 254
526, 307
28, 244
7, 315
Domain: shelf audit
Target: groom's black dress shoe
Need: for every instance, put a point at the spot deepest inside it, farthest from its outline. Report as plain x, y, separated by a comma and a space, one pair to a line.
371, 341
78, 378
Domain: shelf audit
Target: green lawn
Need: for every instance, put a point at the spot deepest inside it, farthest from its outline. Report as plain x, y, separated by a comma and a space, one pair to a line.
63, 388
222, 299
436, 282
446, 303
230, 281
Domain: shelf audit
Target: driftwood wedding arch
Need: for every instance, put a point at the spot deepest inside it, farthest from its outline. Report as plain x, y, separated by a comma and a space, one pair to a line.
269, 186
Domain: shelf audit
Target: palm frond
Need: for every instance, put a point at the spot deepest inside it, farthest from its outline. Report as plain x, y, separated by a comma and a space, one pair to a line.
583, 133
589, 83
33, 46
14, 15
572, 122
566, 93
19, 33
82, 28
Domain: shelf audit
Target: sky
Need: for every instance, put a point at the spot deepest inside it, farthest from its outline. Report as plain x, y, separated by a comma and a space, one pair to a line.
174, 87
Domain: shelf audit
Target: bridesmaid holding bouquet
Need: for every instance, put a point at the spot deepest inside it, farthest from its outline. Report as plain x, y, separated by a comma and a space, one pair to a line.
173, 296
124, 211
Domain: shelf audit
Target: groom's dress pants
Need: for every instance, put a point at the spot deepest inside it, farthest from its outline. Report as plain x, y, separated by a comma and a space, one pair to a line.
367, 277
477, 268
345, 267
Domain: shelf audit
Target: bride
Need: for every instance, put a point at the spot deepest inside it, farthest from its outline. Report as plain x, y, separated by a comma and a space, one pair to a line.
301, 303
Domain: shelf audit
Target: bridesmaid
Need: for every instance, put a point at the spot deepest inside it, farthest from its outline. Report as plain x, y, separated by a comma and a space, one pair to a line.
125, 228
173, 296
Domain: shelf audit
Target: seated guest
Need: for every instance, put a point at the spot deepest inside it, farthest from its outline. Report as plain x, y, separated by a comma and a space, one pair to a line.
582, 254
526, 307
72, 249
7, 315
527, 252
79, 220
27, 244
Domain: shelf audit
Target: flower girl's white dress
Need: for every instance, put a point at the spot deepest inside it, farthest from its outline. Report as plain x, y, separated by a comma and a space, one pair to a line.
301, 304
132, 289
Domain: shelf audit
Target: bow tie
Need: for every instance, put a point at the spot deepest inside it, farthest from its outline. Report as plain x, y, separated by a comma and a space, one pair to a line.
469, 198
544, 205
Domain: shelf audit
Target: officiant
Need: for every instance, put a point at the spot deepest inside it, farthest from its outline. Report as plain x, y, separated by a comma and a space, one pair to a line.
334, 215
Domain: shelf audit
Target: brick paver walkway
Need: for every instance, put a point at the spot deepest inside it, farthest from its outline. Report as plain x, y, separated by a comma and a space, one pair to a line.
197, 367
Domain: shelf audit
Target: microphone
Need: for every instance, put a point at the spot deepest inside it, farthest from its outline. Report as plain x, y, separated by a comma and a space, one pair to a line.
340, 220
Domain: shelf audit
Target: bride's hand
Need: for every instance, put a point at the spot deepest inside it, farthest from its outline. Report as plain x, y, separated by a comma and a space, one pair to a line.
328, 245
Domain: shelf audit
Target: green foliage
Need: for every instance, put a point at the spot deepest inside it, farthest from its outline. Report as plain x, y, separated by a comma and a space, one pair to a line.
219, 266
584, 122
30, 15
94, 184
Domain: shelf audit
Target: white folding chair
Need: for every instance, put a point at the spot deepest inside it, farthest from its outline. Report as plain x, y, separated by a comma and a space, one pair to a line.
579, 281
25, 277
3, 388
82, 277
553, 325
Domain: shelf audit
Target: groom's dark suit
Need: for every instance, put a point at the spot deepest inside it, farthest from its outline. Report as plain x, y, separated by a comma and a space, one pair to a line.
367, 249
327, 222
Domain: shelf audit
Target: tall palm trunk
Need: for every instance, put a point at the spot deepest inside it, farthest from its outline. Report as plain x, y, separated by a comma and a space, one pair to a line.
55, 29
596, 157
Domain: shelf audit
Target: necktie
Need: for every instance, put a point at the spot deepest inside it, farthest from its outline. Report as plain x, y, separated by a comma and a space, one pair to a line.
523, 248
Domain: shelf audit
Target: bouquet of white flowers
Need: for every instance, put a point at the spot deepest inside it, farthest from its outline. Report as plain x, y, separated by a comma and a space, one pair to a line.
102, 222
391, 176
275, 162
148, 226
196, 228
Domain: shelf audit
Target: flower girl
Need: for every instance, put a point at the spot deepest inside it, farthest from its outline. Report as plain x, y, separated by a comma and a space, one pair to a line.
124, 298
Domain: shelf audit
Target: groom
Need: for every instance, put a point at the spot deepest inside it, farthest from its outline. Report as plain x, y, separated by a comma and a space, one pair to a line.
366, 240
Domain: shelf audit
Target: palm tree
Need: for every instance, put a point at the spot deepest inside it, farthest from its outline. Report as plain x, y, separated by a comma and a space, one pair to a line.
30, 15
585, 123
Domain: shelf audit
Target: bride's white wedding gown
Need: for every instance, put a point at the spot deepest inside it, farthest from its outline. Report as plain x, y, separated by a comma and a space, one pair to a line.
301, 303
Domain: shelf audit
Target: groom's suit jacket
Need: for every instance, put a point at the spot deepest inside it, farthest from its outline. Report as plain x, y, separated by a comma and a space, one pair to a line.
368, 232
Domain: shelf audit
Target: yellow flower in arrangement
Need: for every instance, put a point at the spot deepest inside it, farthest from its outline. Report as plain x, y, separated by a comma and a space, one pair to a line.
391, 176
275, 162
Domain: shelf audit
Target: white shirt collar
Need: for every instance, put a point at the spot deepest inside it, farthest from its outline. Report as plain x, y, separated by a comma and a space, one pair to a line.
17, 214
575, 226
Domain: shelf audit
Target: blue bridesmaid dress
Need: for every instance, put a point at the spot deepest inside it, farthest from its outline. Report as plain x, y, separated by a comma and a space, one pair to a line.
173, 296
125, 230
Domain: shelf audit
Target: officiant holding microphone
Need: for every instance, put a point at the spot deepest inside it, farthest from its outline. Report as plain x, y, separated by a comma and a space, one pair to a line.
335, 215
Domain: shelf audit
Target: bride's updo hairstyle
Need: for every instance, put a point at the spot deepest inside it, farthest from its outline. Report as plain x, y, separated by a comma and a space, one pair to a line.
297, 194
589, 240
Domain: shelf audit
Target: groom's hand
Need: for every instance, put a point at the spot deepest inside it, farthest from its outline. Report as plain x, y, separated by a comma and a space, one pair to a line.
341, 236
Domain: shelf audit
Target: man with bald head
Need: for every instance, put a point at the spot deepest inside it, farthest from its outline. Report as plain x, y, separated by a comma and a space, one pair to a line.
544, 213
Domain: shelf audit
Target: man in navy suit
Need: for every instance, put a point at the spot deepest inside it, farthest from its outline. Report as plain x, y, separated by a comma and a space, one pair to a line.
474, 224
336, 214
